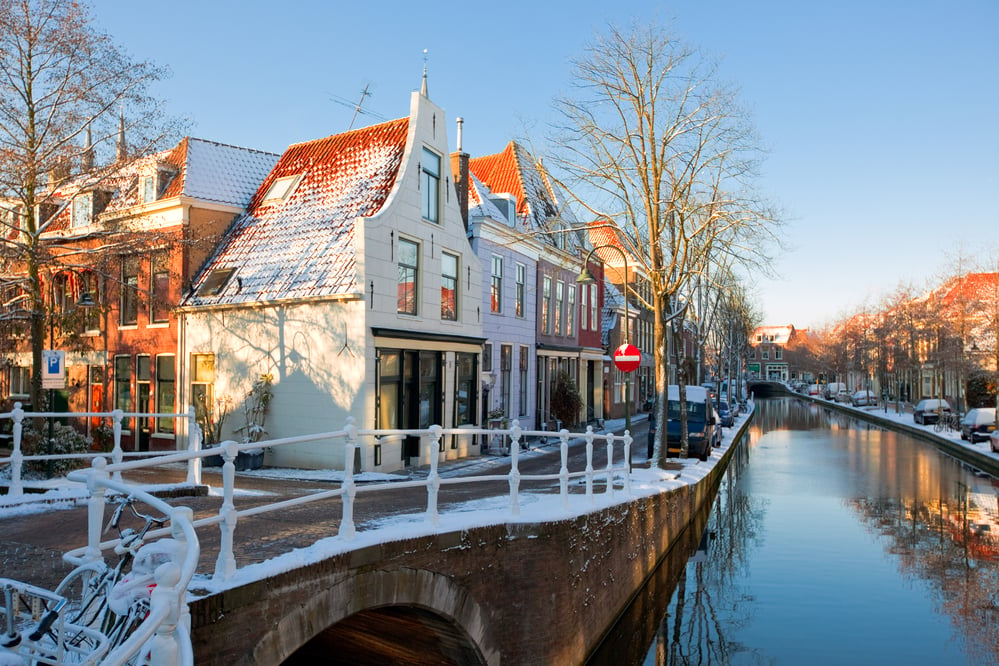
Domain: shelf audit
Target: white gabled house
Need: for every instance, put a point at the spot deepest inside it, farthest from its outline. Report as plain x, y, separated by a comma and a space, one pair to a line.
351, 282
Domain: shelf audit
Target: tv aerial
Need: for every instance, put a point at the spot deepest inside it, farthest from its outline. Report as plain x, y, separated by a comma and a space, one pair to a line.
357, 106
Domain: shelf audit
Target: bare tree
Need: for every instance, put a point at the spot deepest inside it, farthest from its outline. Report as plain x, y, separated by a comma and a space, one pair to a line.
655, 144
68, 96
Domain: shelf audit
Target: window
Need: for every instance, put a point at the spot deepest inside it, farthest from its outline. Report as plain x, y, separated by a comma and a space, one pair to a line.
203, 392
430, 179
166, 388
83, 208
521, 289
778, 354
524, 356
20, 380
594, 308
159, 288
487, 358
216, 281
281, 188
765, 354
90, 285
464, 403
570, 311
147, 185
546, 305
449, 287
129, 315
389, 388
584, 308
496, 285
142, 386
559, 300
123, 384
409, 269
506, 359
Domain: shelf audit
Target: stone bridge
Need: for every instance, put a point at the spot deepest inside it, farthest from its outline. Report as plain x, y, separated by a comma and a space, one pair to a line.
515, 593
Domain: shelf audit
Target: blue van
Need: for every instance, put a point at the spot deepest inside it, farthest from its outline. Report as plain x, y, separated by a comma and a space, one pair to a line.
702, 422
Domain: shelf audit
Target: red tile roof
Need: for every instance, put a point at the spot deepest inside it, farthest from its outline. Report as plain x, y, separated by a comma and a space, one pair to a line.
303, 246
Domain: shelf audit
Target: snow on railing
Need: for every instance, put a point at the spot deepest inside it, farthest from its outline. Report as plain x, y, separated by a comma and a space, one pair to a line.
228, 516
165, 633
17, 458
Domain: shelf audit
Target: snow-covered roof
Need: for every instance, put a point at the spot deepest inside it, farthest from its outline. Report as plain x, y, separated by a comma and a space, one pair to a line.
613, 299
539, 201
479, 203
221, 173
779, 335
301, 245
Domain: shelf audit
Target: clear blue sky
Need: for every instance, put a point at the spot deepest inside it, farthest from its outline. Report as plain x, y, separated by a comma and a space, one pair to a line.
880, 115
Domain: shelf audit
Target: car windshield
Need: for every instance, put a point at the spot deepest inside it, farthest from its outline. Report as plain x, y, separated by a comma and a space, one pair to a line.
694, 410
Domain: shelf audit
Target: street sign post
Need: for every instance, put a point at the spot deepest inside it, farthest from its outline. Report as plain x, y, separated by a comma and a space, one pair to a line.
627, 358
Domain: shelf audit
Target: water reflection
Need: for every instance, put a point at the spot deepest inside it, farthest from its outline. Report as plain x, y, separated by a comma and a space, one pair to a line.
841, 543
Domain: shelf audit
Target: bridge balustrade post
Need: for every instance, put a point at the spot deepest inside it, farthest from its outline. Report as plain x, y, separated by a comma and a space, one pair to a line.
349, 489
195, 439
225, 565
589, 465
563, 473
610, 461
95, 508
627, 457
16, 456
514, 478
164, 648
433, 479
116, 453
179, 516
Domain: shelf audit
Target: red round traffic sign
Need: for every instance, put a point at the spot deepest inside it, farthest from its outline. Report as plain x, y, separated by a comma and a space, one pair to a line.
627, 358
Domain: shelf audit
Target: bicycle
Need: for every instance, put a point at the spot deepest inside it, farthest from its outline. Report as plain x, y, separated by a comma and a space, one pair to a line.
36, 629
115, 600
947, 421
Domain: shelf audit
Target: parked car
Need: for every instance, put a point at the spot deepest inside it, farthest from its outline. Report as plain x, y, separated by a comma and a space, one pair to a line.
928, 410
844, 396
863, 398
978, 424
702, 422
725, 416
833, 389
994, 441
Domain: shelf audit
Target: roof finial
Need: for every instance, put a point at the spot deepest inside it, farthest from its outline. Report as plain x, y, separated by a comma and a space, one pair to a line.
121, 149
423, 89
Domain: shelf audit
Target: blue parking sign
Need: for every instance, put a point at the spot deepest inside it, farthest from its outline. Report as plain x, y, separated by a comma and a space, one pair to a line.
54, 369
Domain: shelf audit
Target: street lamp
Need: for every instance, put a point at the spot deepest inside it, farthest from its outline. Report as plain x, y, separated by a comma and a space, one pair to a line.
585, 277
85, 301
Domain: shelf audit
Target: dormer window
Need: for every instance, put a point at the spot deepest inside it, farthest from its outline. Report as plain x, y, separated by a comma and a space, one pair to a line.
83, 210
282, 188
430, 184
147, 188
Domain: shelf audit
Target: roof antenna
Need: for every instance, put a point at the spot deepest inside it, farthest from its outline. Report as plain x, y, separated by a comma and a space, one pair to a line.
423, 89
357, 106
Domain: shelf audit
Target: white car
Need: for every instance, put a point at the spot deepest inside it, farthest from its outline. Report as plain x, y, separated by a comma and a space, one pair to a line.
863, 398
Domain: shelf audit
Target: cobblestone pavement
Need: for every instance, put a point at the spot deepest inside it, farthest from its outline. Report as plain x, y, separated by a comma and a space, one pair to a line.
31, 545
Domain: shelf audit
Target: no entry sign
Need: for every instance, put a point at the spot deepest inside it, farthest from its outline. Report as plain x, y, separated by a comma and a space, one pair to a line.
627, 358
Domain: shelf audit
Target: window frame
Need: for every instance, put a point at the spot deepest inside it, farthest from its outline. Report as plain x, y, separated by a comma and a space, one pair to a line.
450, 286
496, 285
430, 184
520, 289
408, 303
128, 311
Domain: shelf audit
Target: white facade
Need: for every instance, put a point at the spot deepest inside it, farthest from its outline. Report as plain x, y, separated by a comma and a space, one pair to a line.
332, 356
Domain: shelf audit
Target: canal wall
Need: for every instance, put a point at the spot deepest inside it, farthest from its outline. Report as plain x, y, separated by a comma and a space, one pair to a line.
517, 593
976, 459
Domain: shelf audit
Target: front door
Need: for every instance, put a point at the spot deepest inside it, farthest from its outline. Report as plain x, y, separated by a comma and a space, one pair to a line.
420, 402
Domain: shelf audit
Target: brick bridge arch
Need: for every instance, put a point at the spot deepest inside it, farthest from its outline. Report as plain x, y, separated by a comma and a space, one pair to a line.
373, 603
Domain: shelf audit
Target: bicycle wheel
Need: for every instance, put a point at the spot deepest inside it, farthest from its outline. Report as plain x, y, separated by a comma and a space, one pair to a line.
85, 589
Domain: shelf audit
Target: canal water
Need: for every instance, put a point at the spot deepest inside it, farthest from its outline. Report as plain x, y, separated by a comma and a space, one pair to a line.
836, 542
